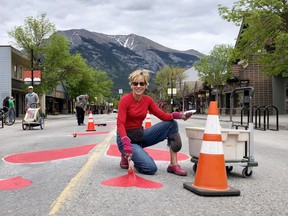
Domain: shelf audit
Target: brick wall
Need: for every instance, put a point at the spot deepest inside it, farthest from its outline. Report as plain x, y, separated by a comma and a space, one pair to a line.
261, 83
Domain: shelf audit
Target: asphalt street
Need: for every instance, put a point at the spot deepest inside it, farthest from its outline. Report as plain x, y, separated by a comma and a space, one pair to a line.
72, 186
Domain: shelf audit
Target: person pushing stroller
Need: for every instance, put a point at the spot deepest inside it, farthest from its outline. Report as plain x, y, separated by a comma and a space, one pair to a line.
31, 98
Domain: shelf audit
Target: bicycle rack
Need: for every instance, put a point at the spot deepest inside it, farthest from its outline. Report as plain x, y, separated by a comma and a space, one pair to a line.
242, 114
258, 118
248, 115
266, 110
249, 110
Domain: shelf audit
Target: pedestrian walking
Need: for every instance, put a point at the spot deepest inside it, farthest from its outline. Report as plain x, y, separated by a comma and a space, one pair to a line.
132, 138
81, 107
11, 111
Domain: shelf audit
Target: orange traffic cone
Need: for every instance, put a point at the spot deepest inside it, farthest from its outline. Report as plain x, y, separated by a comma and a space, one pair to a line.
211, 178
148, 120
91, 125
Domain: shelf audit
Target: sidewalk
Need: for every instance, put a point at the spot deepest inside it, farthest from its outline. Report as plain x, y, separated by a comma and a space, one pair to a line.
282, 120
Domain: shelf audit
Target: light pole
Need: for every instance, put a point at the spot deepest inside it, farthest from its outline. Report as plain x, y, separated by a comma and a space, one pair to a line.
171, 98
32, 69
171, 91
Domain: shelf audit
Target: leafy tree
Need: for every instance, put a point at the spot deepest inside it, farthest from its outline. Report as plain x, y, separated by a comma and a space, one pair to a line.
162, 79
215, 69
182, 88
264, 32
58, 65
101, 84
72, 70
168, 77
31, 35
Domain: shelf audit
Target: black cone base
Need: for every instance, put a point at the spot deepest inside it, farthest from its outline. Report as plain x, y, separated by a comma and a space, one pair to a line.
204, 192
103, 124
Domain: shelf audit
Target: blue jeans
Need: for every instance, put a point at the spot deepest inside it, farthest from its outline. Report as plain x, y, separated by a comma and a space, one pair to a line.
11, 114
152, 135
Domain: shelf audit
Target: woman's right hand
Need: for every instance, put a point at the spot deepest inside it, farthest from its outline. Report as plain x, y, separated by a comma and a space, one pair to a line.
127, 147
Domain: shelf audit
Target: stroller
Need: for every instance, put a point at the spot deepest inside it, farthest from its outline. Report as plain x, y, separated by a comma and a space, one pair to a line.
33, 118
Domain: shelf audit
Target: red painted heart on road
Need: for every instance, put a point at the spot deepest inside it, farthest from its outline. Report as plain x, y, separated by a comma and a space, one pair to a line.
49, 155
14, 183
131, 180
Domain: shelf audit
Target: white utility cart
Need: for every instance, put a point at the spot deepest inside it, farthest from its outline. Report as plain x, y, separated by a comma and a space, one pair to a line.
238, 145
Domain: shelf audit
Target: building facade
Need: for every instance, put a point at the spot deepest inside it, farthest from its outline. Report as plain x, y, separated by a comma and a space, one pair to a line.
268, 90
13, 63
58, 102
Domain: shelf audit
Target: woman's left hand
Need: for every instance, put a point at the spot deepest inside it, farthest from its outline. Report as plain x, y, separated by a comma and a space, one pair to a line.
185, 116
181, 115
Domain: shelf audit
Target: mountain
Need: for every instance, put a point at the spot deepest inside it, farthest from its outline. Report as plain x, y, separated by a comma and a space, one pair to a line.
119, 55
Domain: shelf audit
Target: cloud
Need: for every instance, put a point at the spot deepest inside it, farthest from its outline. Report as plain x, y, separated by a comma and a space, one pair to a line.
181, 24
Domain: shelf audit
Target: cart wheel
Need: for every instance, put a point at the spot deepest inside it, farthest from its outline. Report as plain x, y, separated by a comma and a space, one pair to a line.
42, 124
195, 167
24, 127
246, 173
229, 169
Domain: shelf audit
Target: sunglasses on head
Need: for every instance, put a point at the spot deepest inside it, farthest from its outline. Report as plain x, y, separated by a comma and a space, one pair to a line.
138, 83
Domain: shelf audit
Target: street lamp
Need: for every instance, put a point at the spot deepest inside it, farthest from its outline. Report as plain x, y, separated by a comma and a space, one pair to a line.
171, 96
32, 69
171, 91
32, 76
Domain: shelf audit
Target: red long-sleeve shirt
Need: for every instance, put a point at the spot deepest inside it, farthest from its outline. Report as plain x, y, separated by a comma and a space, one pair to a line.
131, 113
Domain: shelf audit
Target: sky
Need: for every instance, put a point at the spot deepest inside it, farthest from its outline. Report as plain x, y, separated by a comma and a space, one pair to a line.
177, 24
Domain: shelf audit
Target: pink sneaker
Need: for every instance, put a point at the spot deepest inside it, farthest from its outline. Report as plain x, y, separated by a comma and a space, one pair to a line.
177, 170
124, 163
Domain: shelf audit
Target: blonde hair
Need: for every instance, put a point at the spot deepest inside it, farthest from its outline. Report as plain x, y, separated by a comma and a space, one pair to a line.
140, 72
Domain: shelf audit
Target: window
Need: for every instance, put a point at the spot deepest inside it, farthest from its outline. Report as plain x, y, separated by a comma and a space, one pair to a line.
15, 71
21, 72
